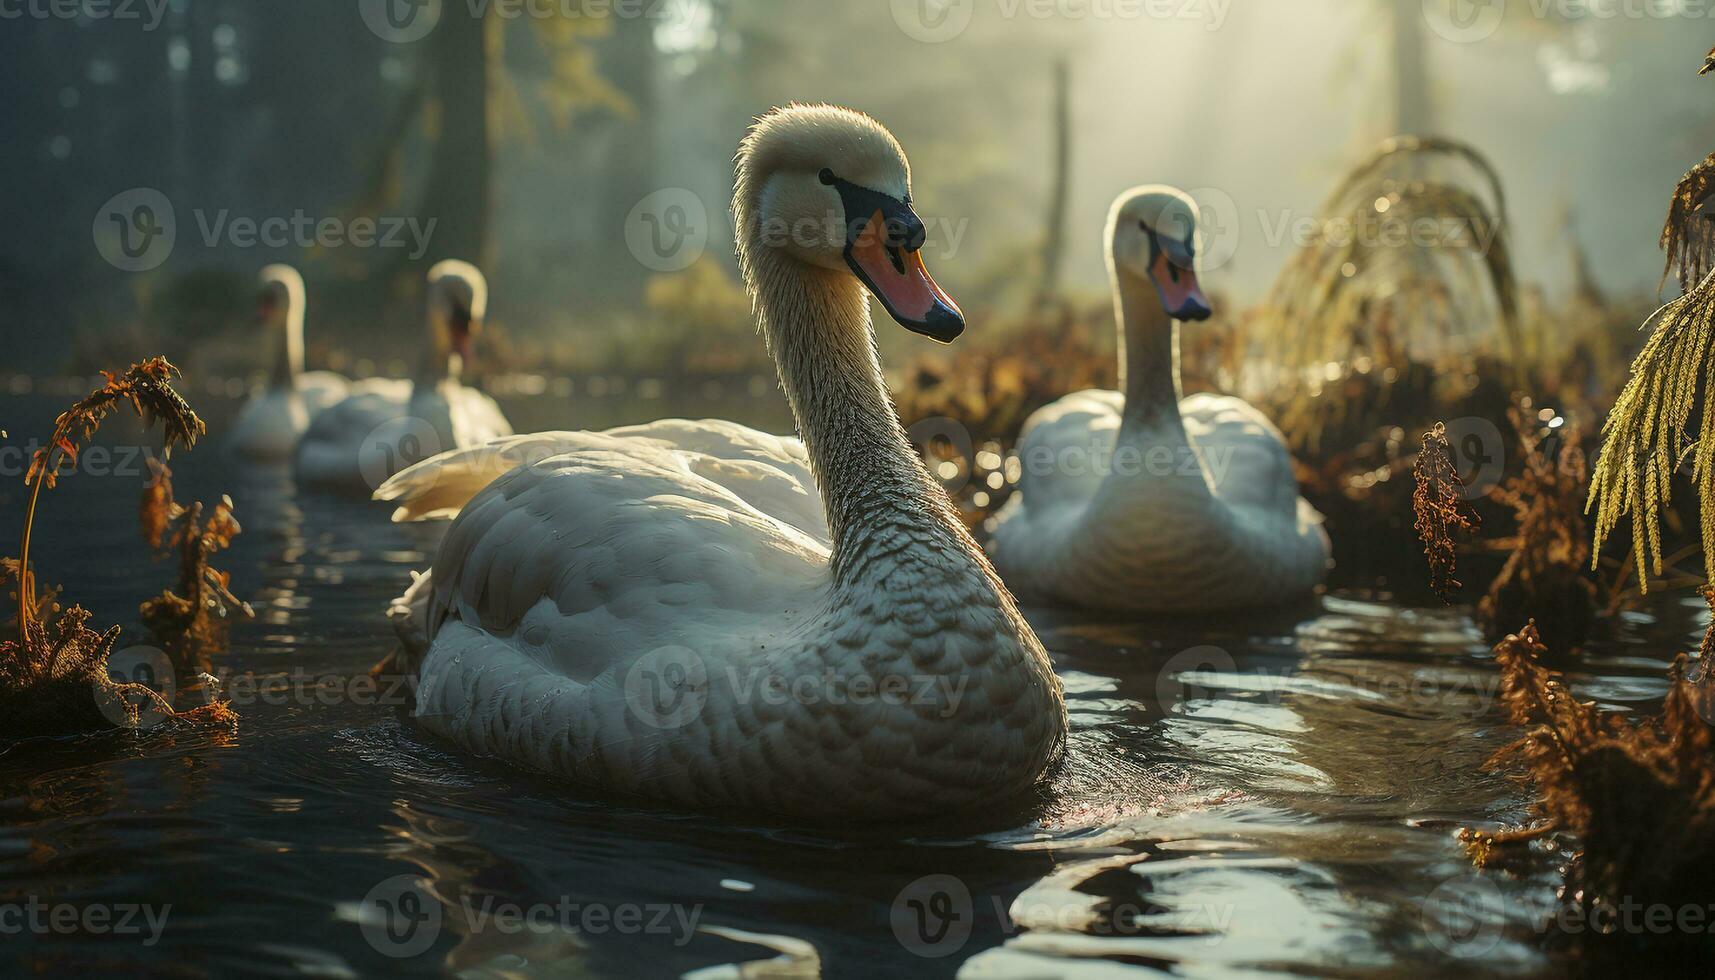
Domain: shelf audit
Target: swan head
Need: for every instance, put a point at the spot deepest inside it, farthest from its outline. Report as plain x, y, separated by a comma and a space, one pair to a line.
458, 302
279, 296
1152, 232
830, 187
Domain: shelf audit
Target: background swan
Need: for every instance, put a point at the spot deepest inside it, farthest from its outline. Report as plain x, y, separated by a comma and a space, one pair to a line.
1143, 501
663, 610
275, 418
386, 425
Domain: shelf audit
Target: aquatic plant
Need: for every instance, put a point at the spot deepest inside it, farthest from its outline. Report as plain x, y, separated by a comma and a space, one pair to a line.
54, 677
1440, 508
1639, 796
147, 388
187, 624
1545, 574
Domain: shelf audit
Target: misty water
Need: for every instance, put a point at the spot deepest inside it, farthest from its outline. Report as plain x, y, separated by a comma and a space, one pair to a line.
1265, 795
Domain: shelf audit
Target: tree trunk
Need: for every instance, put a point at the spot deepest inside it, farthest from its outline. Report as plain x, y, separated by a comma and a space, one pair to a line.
1054, 236
459, 191
628, 60
1413, 113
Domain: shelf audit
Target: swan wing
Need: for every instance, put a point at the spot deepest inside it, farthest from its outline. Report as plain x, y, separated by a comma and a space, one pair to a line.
617, 549
473, 417
322, 390
1065, 449
1243, 454
331, 452
770, 473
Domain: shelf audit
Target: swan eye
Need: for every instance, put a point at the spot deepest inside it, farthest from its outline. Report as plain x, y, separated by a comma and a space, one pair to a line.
826, 176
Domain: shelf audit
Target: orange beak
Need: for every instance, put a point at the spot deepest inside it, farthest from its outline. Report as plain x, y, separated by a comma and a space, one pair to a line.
895, 273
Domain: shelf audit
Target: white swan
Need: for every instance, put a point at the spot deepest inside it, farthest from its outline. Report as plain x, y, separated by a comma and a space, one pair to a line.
1144, 502
274, 419
664, 611
387, 425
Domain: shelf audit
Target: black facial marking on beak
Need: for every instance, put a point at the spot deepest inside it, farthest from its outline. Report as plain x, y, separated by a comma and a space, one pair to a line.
1181, 294
884, 242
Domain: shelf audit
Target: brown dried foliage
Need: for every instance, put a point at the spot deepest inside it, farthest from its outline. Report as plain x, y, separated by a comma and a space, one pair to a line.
1545, 575
1639, 796
1440, 507
1688, 236
55, 681
190, 623
54, 676
147, 387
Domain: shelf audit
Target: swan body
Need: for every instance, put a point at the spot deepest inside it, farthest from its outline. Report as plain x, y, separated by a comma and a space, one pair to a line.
709, 616
1145, 502
384, 425
275, 418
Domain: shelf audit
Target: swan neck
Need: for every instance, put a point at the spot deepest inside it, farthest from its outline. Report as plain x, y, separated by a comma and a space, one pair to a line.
873, 485
1149, 354
439, 362
289, 348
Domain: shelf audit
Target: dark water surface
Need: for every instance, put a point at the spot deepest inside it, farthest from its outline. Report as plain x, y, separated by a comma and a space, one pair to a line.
1245, 797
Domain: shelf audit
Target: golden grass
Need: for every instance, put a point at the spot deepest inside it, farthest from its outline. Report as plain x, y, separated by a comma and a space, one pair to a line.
1648, 436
